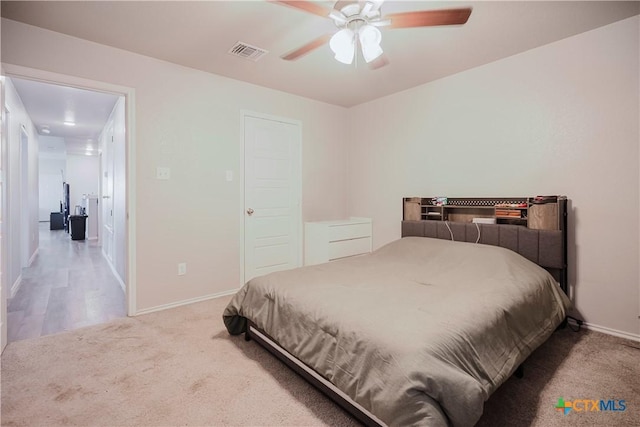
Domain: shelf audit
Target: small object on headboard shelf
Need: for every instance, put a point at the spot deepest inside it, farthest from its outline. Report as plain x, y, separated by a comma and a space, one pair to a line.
541, 200
484, 220
438, 201
544, 216
412, 208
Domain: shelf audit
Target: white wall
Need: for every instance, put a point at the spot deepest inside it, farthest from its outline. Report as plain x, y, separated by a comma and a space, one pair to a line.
18, 119
83, 177
189, 120
559, 119
51, 173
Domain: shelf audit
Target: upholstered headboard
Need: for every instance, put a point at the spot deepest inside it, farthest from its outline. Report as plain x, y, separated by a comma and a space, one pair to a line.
544, 247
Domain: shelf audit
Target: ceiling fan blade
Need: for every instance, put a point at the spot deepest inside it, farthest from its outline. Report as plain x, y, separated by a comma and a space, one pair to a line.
366, 9
429, 18
306, 6
372, 6
379, 62
342, 3
382, 23
376, 4
301, 51
338, 16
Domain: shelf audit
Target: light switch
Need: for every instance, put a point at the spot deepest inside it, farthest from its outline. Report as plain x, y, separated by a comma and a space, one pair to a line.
229, 176
182, 269
163, 173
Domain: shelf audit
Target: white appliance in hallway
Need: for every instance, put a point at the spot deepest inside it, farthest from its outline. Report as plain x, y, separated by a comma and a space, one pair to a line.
90, 205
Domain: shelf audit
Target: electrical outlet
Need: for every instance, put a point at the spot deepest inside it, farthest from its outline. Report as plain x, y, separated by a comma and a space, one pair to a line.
163, 173
182, 269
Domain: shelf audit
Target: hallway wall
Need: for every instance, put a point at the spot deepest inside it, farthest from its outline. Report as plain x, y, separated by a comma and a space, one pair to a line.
51, 172
83, 177
18, 119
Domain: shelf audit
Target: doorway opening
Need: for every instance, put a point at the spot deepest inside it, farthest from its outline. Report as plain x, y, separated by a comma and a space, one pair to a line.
67, 279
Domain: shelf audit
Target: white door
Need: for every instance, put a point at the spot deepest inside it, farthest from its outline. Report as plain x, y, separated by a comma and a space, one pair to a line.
272, 211
25, 215
107, 193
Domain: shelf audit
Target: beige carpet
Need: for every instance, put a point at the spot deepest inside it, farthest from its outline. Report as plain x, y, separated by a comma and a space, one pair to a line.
180, 367
582, 365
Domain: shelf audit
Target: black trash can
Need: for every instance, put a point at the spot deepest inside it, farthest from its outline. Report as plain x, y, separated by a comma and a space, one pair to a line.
78, 225
56, 221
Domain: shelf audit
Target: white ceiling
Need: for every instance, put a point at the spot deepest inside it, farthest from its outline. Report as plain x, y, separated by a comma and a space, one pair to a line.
199, 34
49, 106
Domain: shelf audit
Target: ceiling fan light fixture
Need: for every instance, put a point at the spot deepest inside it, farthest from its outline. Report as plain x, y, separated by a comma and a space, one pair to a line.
371, 52
338, 17
370, 38
343, 45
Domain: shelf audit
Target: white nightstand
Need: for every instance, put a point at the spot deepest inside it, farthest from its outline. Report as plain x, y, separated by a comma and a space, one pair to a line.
330, 240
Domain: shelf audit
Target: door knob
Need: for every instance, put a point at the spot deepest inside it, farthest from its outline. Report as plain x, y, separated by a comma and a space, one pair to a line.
250, 211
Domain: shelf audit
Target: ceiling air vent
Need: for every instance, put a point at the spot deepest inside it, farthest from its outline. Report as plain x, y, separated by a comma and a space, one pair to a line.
246, 51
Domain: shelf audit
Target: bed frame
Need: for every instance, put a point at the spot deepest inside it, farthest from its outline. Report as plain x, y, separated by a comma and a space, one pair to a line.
319, 382
547, 248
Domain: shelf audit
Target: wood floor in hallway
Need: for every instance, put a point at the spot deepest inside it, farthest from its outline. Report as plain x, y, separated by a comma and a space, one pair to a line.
69, 285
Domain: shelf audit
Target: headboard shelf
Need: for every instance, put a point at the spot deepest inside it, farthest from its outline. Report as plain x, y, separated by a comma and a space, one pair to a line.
505, 210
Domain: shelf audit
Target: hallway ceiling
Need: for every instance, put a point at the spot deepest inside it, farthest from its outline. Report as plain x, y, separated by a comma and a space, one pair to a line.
49, 106
199, 34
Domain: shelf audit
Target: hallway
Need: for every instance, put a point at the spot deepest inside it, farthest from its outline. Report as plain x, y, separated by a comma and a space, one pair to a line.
69, 285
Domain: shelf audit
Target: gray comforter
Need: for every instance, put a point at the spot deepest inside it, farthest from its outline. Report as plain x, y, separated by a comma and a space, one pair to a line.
420, 332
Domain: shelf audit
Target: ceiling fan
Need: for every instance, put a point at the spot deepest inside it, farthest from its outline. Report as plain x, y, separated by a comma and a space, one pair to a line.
358, 23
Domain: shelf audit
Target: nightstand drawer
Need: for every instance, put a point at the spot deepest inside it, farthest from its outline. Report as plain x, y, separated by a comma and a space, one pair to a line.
348, 231
345, 248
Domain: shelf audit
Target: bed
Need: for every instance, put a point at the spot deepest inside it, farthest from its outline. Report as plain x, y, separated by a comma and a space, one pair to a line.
421, 331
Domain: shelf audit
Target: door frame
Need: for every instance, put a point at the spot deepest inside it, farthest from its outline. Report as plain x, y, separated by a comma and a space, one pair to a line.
241, 178
18, 71
4, 229
109, 131
25, 211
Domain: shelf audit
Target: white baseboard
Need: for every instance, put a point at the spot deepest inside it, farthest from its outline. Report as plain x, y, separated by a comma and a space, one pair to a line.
115, 273
33, 257
186, 302
15, 287
614, 332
